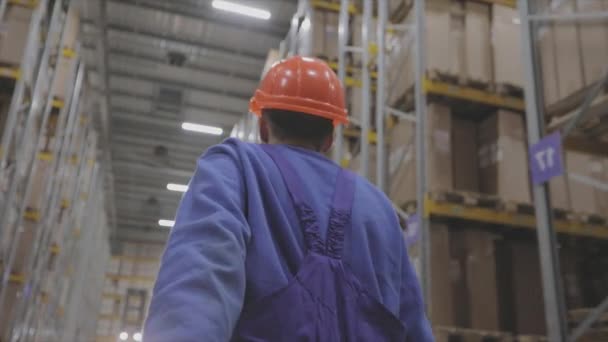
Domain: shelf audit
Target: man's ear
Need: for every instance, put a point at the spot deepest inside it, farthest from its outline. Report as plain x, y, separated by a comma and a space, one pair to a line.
327, 142
264, 129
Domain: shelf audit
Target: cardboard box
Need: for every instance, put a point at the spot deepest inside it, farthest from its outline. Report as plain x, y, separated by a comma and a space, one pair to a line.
439, 149
560, 196
506, 45
546, 46
594, 41
400, 61
438, 27
63, 75
72, 28
481, 280
581, 171
441, 292
14, 38
13, 293
568, 53
402, 156
456, 47
474, 286
465, 159
477, 42
503, 157
401, 163
527, 289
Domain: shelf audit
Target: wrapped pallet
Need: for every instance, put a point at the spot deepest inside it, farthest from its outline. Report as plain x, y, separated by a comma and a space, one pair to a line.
503, 158
325, 35
13, 37
506, 45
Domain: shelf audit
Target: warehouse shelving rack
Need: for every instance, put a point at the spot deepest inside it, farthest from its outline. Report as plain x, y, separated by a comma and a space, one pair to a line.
55, 304
541, 220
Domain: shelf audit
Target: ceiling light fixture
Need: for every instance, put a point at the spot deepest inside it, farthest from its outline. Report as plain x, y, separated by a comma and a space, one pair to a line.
188, 126
241, 9
123, 336
137, 336
177, 187
166, 223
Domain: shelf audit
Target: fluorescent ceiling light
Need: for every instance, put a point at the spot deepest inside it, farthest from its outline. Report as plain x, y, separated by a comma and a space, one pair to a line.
166, 223
188, 126
177, 187
241, 9
123, 336
137, 336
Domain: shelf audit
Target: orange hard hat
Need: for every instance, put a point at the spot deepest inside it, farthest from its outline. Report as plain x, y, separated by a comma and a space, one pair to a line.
304, 85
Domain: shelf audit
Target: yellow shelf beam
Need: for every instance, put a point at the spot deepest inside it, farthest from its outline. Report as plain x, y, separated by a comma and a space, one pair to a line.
353, 133
24, 3
117, 277
11, 73
150, 260
472, 94
332, 6
442, 209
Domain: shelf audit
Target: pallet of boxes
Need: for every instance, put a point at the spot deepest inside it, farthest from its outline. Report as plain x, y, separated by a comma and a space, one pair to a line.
486, 282
13, 40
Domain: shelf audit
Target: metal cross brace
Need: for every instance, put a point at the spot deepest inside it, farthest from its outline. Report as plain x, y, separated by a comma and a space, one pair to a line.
584, 109
589, 320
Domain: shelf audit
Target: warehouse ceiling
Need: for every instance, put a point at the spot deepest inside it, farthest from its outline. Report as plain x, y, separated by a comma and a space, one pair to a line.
156, 64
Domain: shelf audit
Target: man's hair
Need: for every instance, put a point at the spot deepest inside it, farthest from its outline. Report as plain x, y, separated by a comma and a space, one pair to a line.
299, 126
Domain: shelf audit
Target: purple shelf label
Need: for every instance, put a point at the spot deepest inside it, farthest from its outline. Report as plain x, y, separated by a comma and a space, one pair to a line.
546, 159
412, 231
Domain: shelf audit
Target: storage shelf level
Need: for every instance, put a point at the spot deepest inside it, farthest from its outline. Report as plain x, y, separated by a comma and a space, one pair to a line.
451, 210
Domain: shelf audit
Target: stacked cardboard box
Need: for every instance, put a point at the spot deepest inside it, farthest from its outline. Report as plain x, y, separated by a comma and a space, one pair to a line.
573, 55
13, 39
506, 46
65, 69
13, 293
503, 157
402, 156
325, 35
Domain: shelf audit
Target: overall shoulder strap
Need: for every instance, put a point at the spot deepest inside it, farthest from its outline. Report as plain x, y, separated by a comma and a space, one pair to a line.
306, 216
341, 208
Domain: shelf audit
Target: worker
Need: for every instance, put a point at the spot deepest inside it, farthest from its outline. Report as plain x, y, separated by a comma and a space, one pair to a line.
275, 242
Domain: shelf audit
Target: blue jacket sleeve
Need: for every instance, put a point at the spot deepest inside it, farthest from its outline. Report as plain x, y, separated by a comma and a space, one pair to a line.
411, 309
200, 288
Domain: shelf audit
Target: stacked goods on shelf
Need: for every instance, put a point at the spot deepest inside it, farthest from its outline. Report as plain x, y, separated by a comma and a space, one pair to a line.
402, 155
462, 155
72, 30
135, 269
503, 157
573, 55
469, 42
325, 35
16, 25
506, 46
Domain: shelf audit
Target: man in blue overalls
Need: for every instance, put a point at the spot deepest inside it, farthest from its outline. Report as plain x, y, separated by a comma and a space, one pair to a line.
275, 242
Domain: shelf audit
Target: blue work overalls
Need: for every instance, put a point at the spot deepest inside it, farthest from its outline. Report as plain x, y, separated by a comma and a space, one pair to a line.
324, 301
